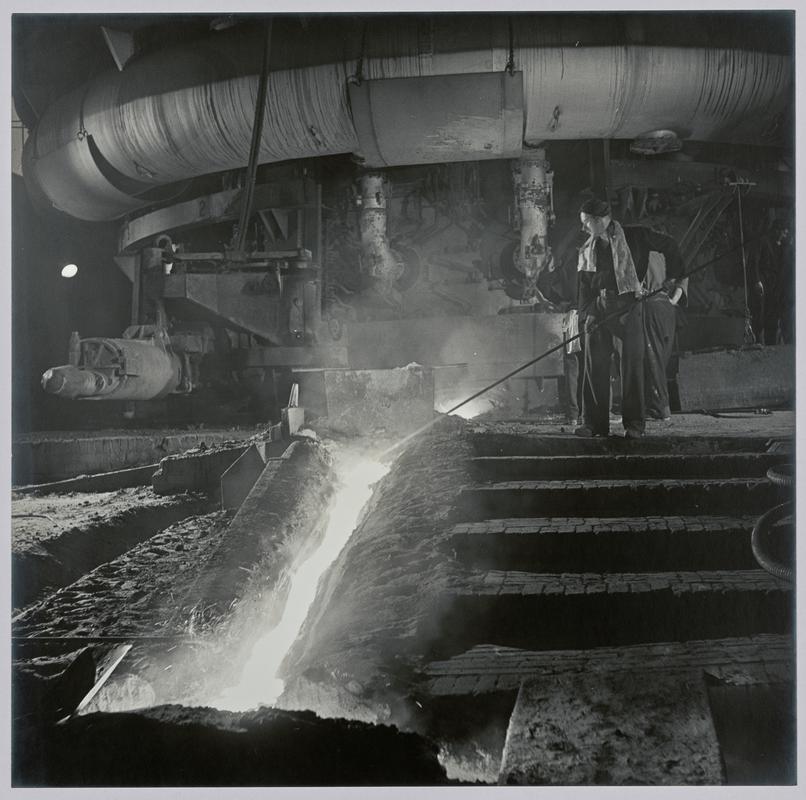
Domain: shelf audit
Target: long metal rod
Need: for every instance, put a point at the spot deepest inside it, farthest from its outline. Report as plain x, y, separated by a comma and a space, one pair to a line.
257, 134
741, 239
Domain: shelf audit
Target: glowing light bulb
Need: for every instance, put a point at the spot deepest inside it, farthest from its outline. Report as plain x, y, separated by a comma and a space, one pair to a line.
69, 271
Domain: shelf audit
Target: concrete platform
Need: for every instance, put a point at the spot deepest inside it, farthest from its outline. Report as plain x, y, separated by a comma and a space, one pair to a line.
766, 658
58, 455
689, 432
737, 378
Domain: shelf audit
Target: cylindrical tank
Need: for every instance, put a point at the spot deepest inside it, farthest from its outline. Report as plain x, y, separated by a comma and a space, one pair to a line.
117, 369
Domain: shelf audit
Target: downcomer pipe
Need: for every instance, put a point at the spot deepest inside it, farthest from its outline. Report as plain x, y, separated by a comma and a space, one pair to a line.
534, 196
378, 260
187, 111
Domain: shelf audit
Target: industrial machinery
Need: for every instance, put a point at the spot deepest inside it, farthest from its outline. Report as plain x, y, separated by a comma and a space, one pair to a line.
280, 181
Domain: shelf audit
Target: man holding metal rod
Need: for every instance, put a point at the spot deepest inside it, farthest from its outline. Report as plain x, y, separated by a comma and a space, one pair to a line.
612, 266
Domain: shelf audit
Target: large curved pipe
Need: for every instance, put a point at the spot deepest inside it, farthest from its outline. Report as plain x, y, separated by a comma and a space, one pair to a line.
188, 111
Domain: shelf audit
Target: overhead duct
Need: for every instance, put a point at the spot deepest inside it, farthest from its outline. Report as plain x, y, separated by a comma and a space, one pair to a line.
186, 111
620, 92
431, 120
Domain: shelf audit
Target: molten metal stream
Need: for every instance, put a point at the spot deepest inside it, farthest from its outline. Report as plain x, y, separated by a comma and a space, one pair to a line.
259, 683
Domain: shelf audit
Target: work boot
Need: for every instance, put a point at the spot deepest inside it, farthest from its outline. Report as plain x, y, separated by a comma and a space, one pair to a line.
587, 432
633, 433
659, 415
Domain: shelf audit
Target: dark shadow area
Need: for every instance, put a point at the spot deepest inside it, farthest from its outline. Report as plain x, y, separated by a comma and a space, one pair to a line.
756, 728
562, 621
178, 746
47, 308
678, 498
616, 551
514, 444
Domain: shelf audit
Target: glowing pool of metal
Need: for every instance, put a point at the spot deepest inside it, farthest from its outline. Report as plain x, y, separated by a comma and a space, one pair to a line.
467, 409
259, 684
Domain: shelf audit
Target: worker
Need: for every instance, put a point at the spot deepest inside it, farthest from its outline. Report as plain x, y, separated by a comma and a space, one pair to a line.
665, 297
774, 286
558, 284
612, 265
572, 359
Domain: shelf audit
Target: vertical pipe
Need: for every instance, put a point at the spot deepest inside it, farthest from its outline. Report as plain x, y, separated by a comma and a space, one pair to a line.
257, 134
536, 214
319, 257
137, 287
378, 260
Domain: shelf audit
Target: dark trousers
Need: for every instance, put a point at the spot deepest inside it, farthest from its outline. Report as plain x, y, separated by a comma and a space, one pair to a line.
660, 317
600, 342
572, 389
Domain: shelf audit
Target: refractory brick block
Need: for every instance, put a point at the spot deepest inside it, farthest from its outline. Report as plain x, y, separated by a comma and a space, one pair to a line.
729, 379
612, 729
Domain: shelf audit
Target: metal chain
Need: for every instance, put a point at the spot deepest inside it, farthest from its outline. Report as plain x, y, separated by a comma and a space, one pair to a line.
510, 67
749, 335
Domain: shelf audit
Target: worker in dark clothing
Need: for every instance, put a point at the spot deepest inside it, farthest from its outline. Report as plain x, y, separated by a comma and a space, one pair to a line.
573, 360
559, 285
661, 318
612, 265
773, 321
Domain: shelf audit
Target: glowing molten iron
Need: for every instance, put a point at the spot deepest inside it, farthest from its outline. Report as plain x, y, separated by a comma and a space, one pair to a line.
259, 684
467, 410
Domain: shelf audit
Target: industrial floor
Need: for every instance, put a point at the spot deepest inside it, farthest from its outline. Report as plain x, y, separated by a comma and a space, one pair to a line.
599, 618
612, 589
549, 609
764, 422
